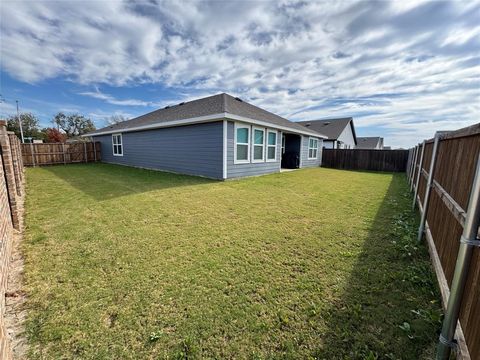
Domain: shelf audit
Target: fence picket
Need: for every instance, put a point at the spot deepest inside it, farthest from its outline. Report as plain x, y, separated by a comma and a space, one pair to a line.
58, 153
452, 161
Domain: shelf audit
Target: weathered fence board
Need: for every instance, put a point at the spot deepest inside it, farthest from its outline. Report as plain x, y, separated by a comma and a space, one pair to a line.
60, 153
363, 159
453, 176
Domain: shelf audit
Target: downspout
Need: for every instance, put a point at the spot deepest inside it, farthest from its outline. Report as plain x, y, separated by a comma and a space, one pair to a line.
224, 151
468, 241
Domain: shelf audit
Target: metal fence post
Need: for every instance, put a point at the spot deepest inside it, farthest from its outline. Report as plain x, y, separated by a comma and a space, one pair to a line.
418, 176
409, 161
414, 167
428, 188
412, 150
468, 241
33, 156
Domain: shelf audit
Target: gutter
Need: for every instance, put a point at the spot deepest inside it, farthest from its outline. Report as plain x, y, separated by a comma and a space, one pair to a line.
206, 119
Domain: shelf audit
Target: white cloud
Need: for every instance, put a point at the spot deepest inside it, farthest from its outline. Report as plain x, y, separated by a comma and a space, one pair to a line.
386, 62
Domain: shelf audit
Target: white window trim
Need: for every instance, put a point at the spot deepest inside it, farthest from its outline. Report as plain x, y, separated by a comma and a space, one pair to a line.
312, 148
241, 126
253, 145
267, 146
121, 144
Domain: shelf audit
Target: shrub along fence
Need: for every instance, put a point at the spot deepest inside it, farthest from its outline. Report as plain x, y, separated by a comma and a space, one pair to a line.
60, 153
444, 174
11, 193
362, 159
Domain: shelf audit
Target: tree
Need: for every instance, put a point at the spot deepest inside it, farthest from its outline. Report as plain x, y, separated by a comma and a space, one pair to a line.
29, 126
73, 124
115, 119
53, 135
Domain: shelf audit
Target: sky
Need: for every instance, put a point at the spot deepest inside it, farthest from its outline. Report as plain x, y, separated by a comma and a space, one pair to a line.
401, 69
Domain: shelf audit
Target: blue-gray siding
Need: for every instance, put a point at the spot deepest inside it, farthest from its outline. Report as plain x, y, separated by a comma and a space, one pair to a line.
193, 149
250, 169
304, 153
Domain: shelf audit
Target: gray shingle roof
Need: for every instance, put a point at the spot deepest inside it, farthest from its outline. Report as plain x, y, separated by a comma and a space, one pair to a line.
212, 105
368, 142
332, 128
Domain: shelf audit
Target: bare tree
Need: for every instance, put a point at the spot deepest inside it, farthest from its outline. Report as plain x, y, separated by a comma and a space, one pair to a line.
115, 119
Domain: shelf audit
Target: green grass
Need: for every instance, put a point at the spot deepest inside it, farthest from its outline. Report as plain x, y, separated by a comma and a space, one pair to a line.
316, 263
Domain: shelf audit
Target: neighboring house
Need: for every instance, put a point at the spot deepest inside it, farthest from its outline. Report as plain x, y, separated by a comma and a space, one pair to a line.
373, 142
340, 132
218, 137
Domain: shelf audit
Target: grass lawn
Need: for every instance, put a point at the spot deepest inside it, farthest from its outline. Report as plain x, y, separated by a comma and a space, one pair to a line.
317, 263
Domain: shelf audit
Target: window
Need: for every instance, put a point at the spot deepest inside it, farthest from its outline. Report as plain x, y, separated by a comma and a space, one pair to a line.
312, 148
117, 145
242, 144
258, 152
271, 145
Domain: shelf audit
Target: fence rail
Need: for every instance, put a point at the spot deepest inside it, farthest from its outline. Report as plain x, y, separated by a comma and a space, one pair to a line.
60, 153
442, 178
363, 159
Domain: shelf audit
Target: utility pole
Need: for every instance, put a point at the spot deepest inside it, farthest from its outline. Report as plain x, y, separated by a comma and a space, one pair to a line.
20, 123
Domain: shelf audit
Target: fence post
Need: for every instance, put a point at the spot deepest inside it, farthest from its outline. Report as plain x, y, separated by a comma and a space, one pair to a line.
33, 156
418, 176
428, 188
94, 152
414, 167
64, 155
85, 151
409, 163
468, 241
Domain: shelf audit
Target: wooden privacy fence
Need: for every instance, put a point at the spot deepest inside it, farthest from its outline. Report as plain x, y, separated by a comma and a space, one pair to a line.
441, 174
60, 153
362, 159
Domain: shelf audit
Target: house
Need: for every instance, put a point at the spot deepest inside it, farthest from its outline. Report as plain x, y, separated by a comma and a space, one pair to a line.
219, 137
340, 132
373, 142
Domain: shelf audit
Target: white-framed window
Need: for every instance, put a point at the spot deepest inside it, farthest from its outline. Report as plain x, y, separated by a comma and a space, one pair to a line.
117, 145
312, 148
271, 145
242, 144
258, 146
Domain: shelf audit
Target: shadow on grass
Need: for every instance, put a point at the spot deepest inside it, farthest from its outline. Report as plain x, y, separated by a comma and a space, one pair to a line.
390, 308
103, 181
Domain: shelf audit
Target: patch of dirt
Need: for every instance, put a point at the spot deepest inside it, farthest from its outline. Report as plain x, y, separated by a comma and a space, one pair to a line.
15, 297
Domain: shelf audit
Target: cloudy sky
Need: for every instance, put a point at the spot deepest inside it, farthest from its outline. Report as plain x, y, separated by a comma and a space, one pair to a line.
402, 69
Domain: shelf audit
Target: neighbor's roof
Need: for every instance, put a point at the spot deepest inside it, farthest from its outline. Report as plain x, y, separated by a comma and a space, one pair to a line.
332, 128
368, 142
207, 109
